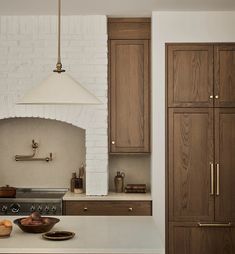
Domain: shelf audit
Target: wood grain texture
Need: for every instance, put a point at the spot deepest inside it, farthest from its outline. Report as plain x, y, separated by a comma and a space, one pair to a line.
106, 208
129, 20
190, 154
224, 70
190, 75
200, 131
129, 96
131, 28
188, 238
225, 156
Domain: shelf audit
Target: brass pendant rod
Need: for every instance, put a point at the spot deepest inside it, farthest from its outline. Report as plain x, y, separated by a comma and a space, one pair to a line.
59, 64
59, 27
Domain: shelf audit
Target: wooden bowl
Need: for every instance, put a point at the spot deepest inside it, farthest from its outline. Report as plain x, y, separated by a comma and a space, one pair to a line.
37, 228
5, 231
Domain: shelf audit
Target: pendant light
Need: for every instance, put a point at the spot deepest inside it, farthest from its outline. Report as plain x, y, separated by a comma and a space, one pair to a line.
59, 87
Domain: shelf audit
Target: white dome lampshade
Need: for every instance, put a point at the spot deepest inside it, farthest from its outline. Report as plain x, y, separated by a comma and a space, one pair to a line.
59, 88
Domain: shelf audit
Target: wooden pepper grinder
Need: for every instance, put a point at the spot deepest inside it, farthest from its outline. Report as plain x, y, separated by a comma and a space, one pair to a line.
119, 182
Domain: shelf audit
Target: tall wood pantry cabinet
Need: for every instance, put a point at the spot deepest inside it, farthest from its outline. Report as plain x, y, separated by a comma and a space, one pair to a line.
129, 85
201, 148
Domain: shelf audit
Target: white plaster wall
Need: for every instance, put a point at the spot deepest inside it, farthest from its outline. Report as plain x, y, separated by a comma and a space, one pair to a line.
28, 49
176, 27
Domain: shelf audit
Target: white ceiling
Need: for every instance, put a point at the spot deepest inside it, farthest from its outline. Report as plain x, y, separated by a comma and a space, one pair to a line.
110, 7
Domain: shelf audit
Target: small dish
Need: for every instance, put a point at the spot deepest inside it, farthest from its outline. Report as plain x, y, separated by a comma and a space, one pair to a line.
58, 235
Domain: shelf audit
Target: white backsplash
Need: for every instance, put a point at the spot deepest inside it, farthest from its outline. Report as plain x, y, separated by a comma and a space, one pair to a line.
28, 51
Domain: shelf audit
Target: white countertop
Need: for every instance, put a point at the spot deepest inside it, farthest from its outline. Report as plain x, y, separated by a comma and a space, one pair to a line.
94, 235
112, 196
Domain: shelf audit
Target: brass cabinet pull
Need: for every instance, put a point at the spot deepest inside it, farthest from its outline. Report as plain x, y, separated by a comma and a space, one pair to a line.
211, 96
217, 179
85, 209
225, 225
212, 178
130, 209
113, 142
217, 96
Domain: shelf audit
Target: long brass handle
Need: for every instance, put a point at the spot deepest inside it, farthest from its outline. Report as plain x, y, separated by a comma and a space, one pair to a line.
217, 179
225, 225
212, 178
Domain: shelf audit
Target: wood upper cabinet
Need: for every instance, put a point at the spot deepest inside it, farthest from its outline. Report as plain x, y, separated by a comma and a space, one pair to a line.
190, 156
129, 95
189, 238
190, 75
201, 75
224, 70
225, 164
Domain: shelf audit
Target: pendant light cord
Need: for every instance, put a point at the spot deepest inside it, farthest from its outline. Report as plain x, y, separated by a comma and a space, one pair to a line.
59, 64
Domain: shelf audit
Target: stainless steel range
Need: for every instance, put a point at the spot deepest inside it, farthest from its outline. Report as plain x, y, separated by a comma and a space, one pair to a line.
44, 201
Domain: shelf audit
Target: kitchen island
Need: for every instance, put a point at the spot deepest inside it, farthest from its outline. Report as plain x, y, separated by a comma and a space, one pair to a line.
94, 235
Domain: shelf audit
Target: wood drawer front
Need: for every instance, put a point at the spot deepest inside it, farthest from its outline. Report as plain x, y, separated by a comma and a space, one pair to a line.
189, 238
108, 208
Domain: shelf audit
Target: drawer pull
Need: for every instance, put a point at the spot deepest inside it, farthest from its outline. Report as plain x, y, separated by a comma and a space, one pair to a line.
212, 178
224, 225
130, 209
85, 209
217, 180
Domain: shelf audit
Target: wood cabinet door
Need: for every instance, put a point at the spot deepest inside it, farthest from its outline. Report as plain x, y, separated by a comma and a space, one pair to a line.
191, 152
189, 238
225, 162
224, 75
129, 96
190, 75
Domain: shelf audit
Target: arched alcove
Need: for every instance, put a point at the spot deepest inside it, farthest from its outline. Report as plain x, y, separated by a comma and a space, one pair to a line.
65, 141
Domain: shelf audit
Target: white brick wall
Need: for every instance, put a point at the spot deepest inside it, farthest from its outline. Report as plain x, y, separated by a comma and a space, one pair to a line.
28, 49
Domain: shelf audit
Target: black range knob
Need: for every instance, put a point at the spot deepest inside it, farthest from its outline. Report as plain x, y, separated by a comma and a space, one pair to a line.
53, 209
47, 209
15, 208
40, 209
4, 208
32, 208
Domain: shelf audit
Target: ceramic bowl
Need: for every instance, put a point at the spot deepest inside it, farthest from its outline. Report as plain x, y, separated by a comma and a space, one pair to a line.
42, 228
